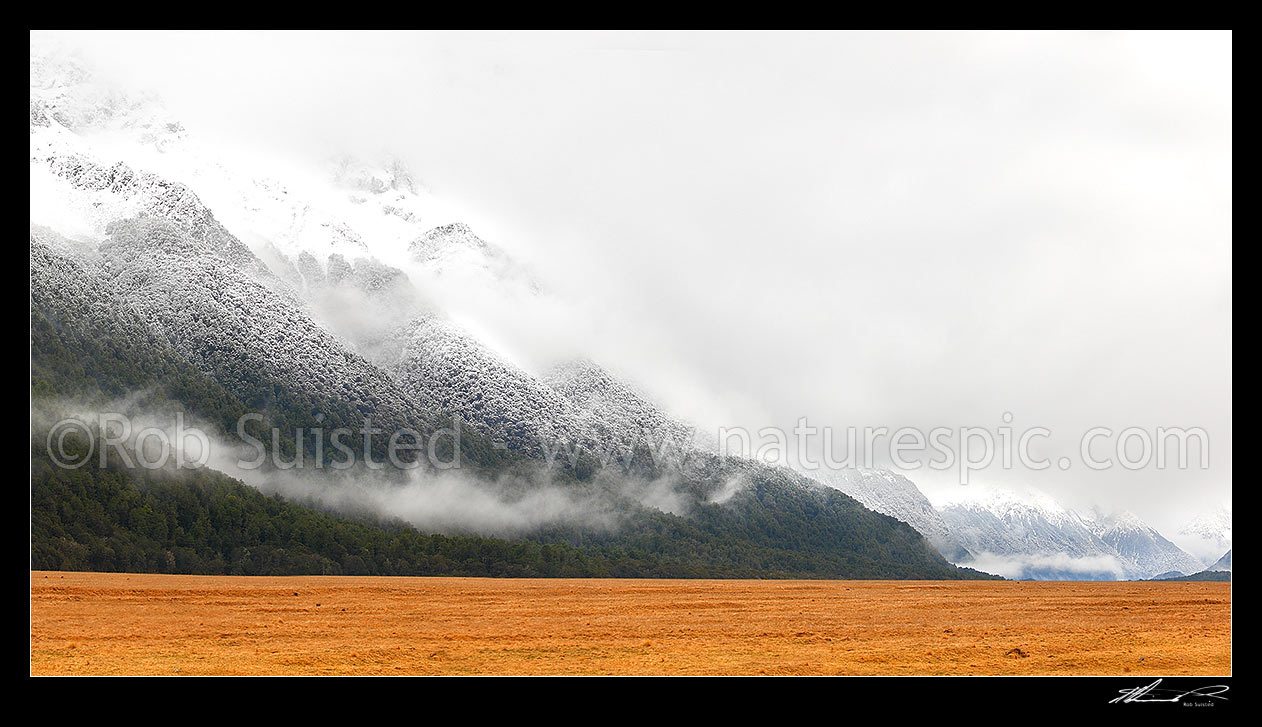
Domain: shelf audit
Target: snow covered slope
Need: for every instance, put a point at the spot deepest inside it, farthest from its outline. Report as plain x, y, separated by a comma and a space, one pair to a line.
1222, 564
892, 494
1144, 550
349, 209
613, 412
238, 330
448, 370
324, 281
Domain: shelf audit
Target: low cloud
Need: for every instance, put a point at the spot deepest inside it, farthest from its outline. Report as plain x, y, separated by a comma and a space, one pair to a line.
1048, 566
446, 501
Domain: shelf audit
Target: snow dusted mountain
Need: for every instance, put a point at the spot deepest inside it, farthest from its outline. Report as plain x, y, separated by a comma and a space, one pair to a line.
1208, 534
615, 412
892, 494
240, 331
117, 192
1028, 535
298, 220
1145, 551
158, 249
1020, 534
1222, 564
327, 314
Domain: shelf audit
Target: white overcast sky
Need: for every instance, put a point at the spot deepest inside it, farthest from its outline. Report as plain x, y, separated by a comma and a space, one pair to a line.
922, 229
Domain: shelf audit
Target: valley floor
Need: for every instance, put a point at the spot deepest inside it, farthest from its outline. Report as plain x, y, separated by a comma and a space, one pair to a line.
105, 623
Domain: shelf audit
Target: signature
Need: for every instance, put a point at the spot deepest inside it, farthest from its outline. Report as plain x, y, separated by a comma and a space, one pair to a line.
1151, 693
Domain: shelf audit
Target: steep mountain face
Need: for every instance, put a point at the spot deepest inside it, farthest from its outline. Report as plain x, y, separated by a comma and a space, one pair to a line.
238, 330
613, 413
1030, 536
85, 341
90, 349
1143, 550
1222, 564
71, 115
305, 240
117, 192
167, 257
448, 370
251, 294
892, 494
578, 406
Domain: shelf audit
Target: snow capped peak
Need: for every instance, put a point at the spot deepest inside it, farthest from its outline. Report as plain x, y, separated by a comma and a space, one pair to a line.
306, 220
65, 90
1026, 533
1009, 503
53, 64
1144, 549
351, 206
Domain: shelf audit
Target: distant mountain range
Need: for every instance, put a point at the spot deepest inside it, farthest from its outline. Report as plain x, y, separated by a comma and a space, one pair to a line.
1022, 534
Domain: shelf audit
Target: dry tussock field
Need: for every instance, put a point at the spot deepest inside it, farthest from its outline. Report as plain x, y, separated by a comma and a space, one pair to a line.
103, 623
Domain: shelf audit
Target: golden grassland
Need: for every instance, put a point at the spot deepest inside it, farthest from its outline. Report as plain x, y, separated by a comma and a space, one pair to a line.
119, 623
